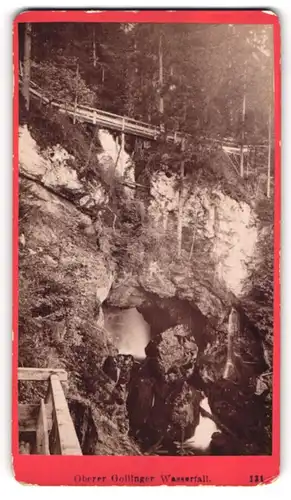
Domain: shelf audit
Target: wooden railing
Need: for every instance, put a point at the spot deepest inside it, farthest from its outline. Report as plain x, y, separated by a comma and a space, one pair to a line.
50, 420
127, 125
103, 118
122, 123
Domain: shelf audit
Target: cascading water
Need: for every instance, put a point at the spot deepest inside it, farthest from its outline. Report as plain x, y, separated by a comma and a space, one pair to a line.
129, 331
114, 150
201, 438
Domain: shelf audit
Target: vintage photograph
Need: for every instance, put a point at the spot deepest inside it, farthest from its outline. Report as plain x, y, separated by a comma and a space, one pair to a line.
145, 238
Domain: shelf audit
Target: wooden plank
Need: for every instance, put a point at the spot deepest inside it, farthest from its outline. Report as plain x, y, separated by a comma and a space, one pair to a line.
41, 374
27, 417
42, 435
68, 443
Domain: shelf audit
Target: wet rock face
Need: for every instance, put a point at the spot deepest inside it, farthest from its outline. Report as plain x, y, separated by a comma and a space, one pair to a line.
245, 354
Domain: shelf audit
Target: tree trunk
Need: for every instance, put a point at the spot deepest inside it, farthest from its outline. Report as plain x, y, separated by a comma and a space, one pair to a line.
243, 127
76, 95
165, 220
26, 64
161, 78
122, 156
243, 136
269, 153
192, 243
94, 48
180, 205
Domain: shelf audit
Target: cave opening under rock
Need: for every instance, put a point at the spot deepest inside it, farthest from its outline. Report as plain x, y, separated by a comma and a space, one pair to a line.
129, 330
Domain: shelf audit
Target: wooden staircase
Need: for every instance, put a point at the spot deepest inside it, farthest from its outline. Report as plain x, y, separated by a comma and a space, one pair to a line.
47, 428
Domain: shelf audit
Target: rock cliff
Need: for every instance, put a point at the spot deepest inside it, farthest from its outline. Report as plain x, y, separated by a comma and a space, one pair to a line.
81, 251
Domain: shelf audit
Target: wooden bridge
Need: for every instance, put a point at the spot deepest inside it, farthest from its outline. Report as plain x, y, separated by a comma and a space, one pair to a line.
242, 157
125, 124
95, 116
46, 428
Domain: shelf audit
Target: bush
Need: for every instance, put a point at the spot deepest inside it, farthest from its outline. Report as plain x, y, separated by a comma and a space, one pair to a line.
62, 83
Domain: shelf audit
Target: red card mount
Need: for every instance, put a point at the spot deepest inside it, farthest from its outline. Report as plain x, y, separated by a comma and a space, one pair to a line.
146, 224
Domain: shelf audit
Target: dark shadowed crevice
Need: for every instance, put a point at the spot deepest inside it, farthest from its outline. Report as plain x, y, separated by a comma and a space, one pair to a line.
164, 313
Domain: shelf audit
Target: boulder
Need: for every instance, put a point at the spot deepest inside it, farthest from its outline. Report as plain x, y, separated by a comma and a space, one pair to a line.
173, 353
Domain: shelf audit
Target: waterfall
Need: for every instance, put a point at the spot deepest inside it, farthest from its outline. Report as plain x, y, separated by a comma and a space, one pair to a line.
130, 332
117, 153
232, 331
201, 438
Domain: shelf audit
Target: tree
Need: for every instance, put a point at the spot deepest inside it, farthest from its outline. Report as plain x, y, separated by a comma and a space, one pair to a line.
26, 64
259, 289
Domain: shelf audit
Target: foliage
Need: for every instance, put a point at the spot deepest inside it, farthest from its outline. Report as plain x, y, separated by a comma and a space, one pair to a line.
259, 293
57, 327
205, 70
62, 83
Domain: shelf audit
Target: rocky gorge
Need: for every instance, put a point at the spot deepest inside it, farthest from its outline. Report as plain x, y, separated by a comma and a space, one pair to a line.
147, 338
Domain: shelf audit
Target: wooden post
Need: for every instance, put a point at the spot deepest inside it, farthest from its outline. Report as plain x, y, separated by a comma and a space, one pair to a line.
42, 436
67, 440
76, 96
269, 153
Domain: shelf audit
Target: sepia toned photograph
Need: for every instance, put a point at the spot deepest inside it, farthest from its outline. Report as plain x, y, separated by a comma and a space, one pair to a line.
145, 238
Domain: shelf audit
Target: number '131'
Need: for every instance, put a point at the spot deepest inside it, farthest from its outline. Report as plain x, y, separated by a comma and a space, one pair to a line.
256, 479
